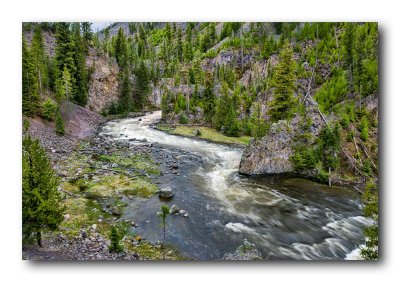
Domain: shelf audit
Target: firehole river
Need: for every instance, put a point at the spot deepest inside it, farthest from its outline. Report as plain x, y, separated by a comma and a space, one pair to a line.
286, 218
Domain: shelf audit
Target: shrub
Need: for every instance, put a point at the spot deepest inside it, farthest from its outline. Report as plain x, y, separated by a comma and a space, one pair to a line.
364, 128
49, 109
322, 176
183, 118
59, 124
115, 238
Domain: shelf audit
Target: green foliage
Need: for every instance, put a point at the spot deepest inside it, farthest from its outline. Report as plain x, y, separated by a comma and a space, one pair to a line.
371, 209
163, 213
30, 84
329, 143
59, 123
125, 103
115, 239
49, 109
142, 86
183, 118
364, 128
284, 81
304, 158
332, 92
42, 209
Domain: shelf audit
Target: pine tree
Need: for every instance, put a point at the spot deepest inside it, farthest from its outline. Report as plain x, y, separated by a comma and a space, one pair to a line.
42, 209
40, 59
121, 51
59, 123
30, 85
87, 36
349, 50
115, 238
64, 51
284, 81
142, 86
80, 88
209, 99
125, 101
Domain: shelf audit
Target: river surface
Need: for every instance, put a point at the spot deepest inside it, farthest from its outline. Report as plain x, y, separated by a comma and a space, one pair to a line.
286, 218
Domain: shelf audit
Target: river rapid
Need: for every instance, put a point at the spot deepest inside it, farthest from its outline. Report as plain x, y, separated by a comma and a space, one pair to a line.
286, 218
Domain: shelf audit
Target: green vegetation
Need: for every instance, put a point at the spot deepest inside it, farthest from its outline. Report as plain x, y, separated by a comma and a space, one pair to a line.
42, 209
115, 238
371, 204
207, 133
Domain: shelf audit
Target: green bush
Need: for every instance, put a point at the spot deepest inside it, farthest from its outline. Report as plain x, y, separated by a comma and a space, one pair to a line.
304, 158
59, 124
49, 109
183, 118
115, 238
364, 128
322, 176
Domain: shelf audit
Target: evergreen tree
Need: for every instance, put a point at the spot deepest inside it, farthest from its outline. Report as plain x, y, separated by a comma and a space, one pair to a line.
40, 59
125, 101
209, 99
42, 209
30, 85
80, 88
115, 238
142, 86
371, 210
349, 50
59, 123
179, 45
87, 36
284, 81
121, 51
64, 51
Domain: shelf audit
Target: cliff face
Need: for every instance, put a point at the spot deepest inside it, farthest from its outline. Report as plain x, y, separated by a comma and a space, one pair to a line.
104, 82
271, 154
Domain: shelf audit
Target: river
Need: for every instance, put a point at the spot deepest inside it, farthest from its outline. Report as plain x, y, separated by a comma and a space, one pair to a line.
286, 218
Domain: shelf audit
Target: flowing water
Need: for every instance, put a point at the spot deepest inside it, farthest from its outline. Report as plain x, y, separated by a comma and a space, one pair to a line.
286, 218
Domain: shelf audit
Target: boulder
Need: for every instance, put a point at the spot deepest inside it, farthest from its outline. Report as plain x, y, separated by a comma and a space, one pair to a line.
165, 193
116, 211
174, 209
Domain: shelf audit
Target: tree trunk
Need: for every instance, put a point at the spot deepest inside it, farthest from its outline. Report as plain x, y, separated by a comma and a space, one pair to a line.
330, 184
39, 239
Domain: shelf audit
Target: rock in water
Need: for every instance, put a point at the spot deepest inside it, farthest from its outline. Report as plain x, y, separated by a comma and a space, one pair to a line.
271, 154
174, 209
165, 193
247, 251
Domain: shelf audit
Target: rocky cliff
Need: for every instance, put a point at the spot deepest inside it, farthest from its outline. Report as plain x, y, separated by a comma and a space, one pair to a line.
104, 86
271, 154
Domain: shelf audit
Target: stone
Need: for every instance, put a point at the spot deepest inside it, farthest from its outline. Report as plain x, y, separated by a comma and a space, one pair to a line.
116, 211
185, 215
67, 216
94, 227
182, 212
174, 209
165, 193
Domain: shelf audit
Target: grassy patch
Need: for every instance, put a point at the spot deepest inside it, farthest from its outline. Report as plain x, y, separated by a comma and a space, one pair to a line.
148, 251
207, 133
110, 185
138, 161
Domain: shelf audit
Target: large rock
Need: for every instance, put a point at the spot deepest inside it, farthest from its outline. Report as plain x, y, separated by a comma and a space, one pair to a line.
271, 154
165, 193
